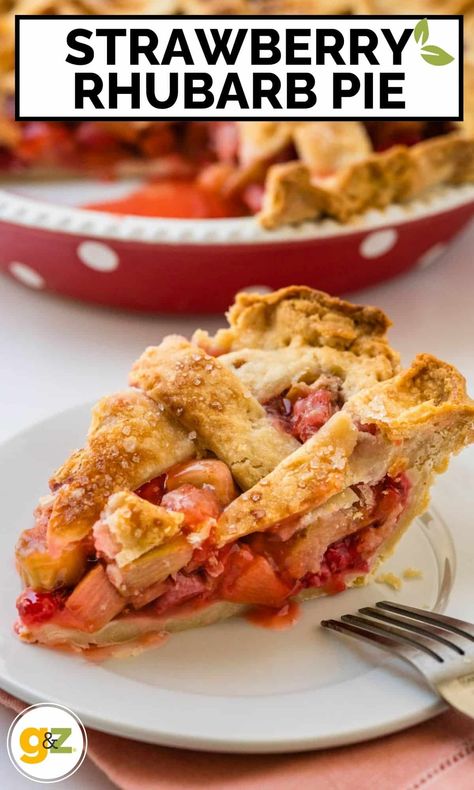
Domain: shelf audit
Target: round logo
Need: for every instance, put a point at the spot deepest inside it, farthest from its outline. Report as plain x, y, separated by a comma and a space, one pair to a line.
47, 742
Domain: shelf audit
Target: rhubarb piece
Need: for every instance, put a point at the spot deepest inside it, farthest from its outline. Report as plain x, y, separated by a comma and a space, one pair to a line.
180, 590
42, 571
204, 473
252, 580
95, 601
140, 599
151, 568
196, 505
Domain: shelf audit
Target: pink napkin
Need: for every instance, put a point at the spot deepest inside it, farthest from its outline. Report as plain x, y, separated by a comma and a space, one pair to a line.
437, 754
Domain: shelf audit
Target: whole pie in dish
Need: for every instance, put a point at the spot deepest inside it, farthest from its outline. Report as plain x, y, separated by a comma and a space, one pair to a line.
283, 172
280, 460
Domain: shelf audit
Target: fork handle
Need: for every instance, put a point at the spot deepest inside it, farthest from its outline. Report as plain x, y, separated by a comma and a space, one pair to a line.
459, 693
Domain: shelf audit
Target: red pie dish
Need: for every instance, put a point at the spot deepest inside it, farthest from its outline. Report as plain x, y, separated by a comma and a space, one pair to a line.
161, 264
336, 204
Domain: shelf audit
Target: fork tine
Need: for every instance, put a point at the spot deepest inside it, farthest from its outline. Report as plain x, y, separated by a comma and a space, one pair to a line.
397, 647
420, 643
452, 624
431, 631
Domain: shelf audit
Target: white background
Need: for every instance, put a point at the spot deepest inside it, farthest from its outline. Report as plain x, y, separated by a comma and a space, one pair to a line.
55, 354
47, 81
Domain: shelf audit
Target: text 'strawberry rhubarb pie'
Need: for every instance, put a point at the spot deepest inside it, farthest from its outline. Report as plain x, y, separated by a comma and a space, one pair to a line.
282, 172
280, 460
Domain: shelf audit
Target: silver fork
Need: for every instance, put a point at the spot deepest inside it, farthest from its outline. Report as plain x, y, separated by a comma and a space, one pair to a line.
440, 647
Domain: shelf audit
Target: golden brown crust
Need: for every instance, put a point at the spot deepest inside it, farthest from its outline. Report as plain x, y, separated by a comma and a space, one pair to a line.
416, 7
134, 526
423, 416
290, 196
130, 441
399, 174
298, 334
324, 146
328, 146
216, 7
268, 373
9, 8
467, 126
443, 160
424, 411
316, 471
131, 438
314, 318
209, 400
333, 7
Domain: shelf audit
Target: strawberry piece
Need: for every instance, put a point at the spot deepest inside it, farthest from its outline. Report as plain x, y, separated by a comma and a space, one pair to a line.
95, 136
172, 198
368, 428
312, 412
253, 196
157, 140
306, 415
252, 580
279, 410
224, 137
182, 589
391, 497
38, 607
45, 142
153, 490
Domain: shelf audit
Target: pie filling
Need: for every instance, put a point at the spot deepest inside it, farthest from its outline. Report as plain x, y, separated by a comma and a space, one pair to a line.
103, 579
193, 167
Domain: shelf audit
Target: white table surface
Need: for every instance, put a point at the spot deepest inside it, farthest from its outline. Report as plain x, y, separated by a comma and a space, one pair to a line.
55, 354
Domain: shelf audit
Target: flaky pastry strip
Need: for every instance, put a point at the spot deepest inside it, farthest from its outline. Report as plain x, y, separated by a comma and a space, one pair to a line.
210, 400
424, 412
10, 8
394, 176
130, 441
423, 415
130, 526
306, 316
416, 7
316, 471
269, 373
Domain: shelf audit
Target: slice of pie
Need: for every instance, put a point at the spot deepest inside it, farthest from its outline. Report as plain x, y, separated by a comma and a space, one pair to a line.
282, 172
279, 460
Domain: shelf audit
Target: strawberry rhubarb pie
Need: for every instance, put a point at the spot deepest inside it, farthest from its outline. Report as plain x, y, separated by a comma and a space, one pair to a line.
282, 172
280, 460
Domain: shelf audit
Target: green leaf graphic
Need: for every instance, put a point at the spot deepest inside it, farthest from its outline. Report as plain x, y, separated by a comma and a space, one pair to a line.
436, 56
422, 31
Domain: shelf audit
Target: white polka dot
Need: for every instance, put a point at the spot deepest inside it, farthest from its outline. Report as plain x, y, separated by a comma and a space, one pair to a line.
98, 256
432, 255
257, 289
379, 243
26, 275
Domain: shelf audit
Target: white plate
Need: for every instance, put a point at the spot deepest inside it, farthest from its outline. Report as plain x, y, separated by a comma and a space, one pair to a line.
230, 687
